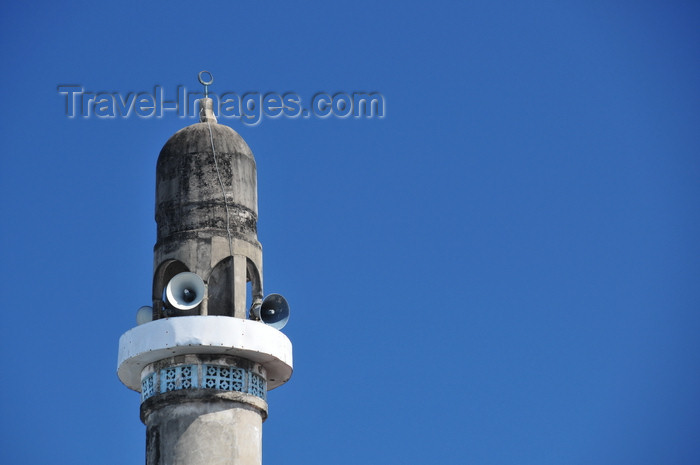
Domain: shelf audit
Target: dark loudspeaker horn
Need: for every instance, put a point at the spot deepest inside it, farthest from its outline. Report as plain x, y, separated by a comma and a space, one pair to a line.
185, 291
274, 311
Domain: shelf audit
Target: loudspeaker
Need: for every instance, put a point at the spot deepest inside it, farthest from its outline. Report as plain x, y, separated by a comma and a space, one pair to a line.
144, 315
185, 291
274, 311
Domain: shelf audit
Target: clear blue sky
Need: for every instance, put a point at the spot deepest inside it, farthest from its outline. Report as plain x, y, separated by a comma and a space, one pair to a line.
503, 270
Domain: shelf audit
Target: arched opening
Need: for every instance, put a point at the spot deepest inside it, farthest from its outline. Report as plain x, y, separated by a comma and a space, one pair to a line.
222, 299
164, 273
221, 289
254, 287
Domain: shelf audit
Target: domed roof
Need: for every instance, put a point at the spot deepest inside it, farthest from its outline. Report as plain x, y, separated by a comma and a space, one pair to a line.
206, 180
197, 139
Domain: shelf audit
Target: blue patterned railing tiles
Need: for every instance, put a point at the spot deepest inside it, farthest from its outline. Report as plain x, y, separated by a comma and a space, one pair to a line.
219, 377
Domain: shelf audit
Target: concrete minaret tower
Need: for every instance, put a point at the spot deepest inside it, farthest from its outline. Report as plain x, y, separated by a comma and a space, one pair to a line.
201, 356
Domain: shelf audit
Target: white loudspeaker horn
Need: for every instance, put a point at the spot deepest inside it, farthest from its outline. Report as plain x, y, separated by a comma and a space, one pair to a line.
144, 315
274, 311
185, 291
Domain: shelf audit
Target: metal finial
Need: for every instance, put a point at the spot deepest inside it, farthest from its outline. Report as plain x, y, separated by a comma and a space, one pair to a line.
206, 83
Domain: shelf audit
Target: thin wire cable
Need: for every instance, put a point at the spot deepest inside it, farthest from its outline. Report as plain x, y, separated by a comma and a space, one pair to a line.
223, 192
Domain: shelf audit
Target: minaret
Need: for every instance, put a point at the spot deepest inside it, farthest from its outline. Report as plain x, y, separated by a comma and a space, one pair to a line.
201, 356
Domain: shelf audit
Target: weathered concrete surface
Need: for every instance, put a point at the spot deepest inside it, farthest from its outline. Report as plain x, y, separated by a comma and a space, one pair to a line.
189, 428
199, 228
188, 191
